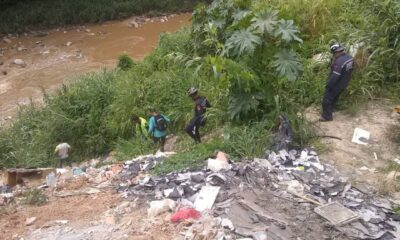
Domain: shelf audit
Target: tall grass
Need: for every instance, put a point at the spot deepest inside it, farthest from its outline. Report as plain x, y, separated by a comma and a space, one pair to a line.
20, 16
93, 115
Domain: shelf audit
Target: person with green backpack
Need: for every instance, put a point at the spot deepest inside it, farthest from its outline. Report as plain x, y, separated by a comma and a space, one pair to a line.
158, 127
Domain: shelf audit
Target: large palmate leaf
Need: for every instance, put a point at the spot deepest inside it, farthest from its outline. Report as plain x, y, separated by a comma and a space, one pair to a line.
239, 15
265, 21
287, 31
287, 64
240, 105
242, 41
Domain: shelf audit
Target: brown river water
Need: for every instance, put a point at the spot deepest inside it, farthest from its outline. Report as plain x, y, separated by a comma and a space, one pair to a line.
60, 56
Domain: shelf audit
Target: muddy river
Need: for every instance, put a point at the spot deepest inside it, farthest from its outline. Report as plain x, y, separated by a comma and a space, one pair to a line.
46, 60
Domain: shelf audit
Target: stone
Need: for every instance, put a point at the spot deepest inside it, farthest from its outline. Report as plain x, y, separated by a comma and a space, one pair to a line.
30, 221
68, 44
6, 40
19, 62
20, 49
4, 72
133, 24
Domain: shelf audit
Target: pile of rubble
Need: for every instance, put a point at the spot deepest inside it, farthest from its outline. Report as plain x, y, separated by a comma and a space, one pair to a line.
287, 195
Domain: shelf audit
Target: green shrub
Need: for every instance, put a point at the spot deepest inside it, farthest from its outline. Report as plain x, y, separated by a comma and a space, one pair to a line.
34, 197
125, 62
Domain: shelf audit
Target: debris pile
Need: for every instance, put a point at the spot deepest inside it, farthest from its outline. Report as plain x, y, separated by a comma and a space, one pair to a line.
286, 195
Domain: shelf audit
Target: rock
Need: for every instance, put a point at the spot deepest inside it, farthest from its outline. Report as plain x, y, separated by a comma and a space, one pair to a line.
30, 221
6, 40
162, 20
20, 49
87, 30
133, 23
19, 62
68, 44
41, 34
4, 72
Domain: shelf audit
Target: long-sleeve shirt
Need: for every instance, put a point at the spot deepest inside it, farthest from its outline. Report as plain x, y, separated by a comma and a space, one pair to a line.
201, 105
340, 74
153, 131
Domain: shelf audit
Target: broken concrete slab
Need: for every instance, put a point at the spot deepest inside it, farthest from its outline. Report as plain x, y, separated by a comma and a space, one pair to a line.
206, 198
336, 213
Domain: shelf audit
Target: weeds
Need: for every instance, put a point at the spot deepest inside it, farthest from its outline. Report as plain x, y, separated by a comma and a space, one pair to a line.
249, 83
34, 197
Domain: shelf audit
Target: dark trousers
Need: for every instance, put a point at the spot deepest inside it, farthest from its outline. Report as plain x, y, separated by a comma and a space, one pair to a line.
61, 162
160, 141
193, 128
331, 96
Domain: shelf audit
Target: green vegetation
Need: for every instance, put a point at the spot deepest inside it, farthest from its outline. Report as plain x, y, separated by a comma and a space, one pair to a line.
34, 197
125, 62
25, 15
251, 59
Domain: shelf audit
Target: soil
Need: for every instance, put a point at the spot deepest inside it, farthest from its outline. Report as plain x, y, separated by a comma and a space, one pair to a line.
377, 118
79, 210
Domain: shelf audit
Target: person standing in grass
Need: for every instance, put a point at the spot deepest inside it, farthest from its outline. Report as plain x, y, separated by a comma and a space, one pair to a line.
62, 152
141, 126
158, 127
339, 77
199, 120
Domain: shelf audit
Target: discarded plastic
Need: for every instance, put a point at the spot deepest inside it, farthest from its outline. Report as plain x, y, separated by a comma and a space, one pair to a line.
77, 171
159, 207
51, 180
360, 136
185, 214
216, 165
206, 198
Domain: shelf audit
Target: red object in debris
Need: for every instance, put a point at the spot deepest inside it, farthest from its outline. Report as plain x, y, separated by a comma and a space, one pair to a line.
184, 214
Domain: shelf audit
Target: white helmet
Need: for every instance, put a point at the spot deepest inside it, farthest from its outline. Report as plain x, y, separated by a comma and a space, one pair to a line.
192, 90
337, 48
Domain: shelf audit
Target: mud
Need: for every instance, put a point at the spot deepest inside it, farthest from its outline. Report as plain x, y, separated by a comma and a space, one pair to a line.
57, 57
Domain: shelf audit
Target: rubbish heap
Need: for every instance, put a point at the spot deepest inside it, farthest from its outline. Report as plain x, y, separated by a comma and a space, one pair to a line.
286, 195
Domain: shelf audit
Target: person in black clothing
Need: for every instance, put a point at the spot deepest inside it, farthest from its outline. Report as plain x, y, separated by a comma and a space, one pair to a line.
339, 77
201, 105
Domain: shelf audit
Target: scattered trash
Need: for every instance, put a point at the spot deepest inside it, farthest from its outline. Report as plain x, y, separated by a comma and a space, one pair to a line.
51, 180
30, 221
77, 171
336, 213
185, 214
19, 62
159, 207
206, 198
226, 223
360, 136
216, 165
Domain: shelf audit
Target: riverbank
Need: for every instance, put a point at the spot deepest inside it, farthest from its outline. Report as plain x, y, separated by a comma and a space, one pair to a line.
60, 55
25, 16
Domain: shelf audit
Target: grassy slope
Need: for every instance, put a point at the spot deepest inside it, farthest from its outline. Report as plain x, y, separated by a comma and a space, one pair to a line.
24, 15
93, 115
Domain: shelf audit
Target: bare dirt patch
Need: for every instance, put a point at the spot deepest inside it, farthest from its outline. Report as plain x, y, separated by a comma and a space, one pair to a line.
79, 210
350, 158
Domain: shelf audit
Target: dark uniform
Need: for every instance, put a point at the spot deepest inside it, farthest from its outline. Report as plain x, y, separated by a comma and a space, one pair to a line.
201, 105
338, 80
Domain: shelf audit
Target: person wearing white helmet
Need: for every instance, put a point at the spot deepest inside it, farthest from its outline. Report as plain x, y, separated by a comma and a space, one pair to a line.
201, 105
339, 77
